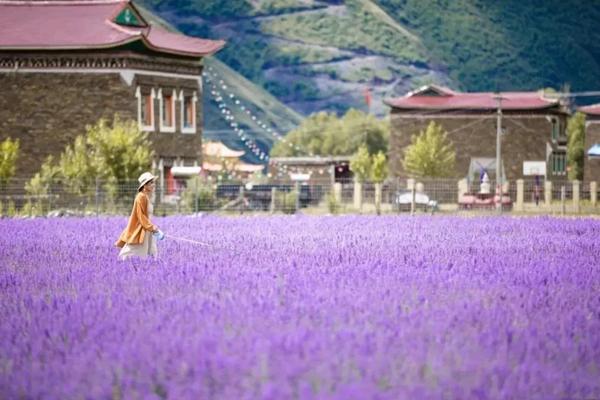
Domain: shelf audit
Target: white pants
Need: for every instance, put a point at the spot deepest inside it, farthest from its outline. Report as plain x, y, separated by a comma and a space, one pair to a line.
147, 248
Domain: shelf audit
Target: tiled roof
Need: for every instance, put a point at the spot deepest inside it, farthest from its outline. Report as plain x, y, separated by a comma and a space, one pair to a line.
218, 149
594, 109
445, 99
78, 24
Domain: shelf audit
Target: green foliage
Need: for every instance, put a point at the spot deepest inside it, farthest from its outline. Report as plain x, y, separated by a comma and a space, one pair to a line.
333, 205
505, 45
9, 151
362, 29
199, 195
286, 201
116, 154
327, 135
11, 210
360, 164
430, 154
576, 145
379, 167
40, 185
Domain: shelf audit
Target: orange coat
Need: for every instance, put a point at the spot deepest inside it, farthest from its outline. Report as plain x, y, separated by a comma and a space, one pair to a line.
138, 224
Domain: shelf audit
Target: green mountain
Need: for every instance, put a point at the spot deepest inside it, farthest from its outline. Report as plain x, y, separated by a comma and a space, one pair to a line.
322, 55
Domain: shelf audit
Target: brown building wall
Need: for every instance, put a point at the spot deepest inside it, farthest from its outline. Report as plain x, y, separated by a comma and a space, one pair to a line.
591, 166
46, 111
474, 135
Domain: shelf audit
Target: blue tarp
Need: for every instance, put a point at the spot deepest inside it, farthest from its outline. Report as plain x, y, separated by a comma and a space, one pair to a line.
594, 151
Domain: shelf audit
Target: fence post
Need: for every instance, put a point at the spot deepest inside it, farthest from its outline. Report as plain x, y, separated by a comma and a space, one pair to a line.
297, 189
337, 192
593, 193
357, 194
520, 206
548, 193
241, 199
463, 187
378, 187
273, 194
97, 197
563, 196
410, 183
576, 202
195, 195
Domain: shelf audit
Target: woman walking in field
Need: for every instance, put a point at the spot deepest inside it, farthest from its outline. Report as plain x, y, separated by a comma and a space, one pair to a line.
140, 236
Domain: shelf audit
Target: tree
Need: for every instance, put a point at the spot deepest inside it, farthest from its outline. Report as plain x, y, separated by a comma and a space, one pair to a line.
115, 154
379, 167
576, 145
360, 164
326, 134
9, 151
430, 153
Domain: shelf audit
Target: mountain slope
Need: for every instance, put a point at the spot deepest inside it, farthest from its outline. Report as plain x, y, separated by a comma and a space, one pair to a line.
312, 55
510, 44
244, 100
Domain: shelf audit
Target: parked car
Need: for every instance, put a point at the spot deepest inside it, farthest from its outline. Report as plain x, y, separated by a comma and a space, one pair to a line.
404, 198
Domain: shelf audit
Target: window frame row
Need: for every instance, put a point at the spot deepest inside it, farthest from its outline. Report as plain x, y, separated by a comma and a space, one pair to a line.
167, 98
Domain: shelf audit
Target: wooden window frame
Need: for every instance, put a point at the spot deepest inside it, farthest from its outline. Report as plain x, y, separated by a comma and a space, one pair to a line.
194, 104
148, 96
161, 100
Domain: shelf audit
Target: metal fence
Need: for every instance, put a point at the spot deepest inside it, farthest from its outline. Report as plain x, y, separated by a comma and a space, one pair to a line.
58, 198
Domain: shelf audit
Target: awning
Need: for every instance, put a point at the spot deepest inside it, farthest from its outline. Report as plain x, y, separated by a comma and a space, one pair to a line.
185, 171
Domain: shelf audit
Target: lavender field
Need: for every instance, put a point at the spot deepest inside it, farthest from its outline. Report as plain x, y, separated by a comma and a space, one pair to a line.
298, 307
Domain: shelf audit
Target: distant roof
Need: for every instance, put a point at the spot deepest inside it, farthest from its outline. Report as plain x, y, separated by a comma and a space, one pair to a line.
89, 24
240, 167
314, 160
433, 97
218, 149
594, 109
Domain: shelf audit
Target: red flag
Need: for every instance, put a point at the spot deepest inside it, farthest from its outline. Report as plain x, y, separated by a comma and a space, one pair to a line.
367, 94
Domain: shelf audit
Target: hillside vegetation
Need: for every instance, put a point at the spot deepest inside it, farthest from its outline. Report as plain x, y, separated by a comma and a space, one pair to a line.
510, 44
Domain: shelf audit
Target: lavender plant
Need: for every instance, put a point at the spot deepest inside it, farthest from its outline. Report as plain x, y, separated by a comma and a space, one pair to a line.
298, 307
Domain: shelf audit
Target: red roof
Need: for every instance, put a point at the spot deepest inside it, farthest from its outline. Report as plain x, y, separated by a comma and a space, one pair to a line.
79, 24
446, 99
594, 109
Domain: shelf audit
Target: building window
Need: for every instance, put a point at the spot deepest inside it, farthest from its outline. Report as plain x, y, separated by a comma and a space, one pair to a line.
167, 110
559, 163
555, 129
188, 112
145, 109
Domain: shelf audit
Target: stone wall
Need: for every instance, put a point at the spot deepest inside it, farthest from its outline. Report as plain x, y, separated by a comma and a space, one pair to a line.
46, 111
474, 135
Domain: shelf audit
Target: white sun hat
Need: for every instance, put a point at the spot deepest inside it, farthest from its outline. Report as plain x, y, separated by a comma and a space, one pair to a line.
145, 178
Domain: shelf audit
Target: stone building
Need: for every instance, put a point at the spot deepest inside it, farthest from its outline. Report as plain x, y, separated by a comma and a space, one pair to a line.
533, 129
67, 64
591, 163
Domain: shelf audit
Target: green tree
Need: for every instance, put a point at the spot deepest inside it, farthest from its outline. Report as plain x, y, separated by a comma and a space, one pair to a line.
576, 145
9, 151
379, 167
360, 164
325, 134
40, 185
116, 154
430, 153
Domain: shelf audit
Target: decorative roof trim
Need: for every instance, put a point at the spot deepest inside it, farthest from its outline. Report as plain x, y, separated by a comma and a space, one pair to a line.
441, 90
129, 4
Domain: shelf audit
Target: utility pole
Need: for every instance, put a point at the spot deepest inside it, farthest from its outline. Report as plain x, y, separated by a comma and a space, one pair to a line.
498, 98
